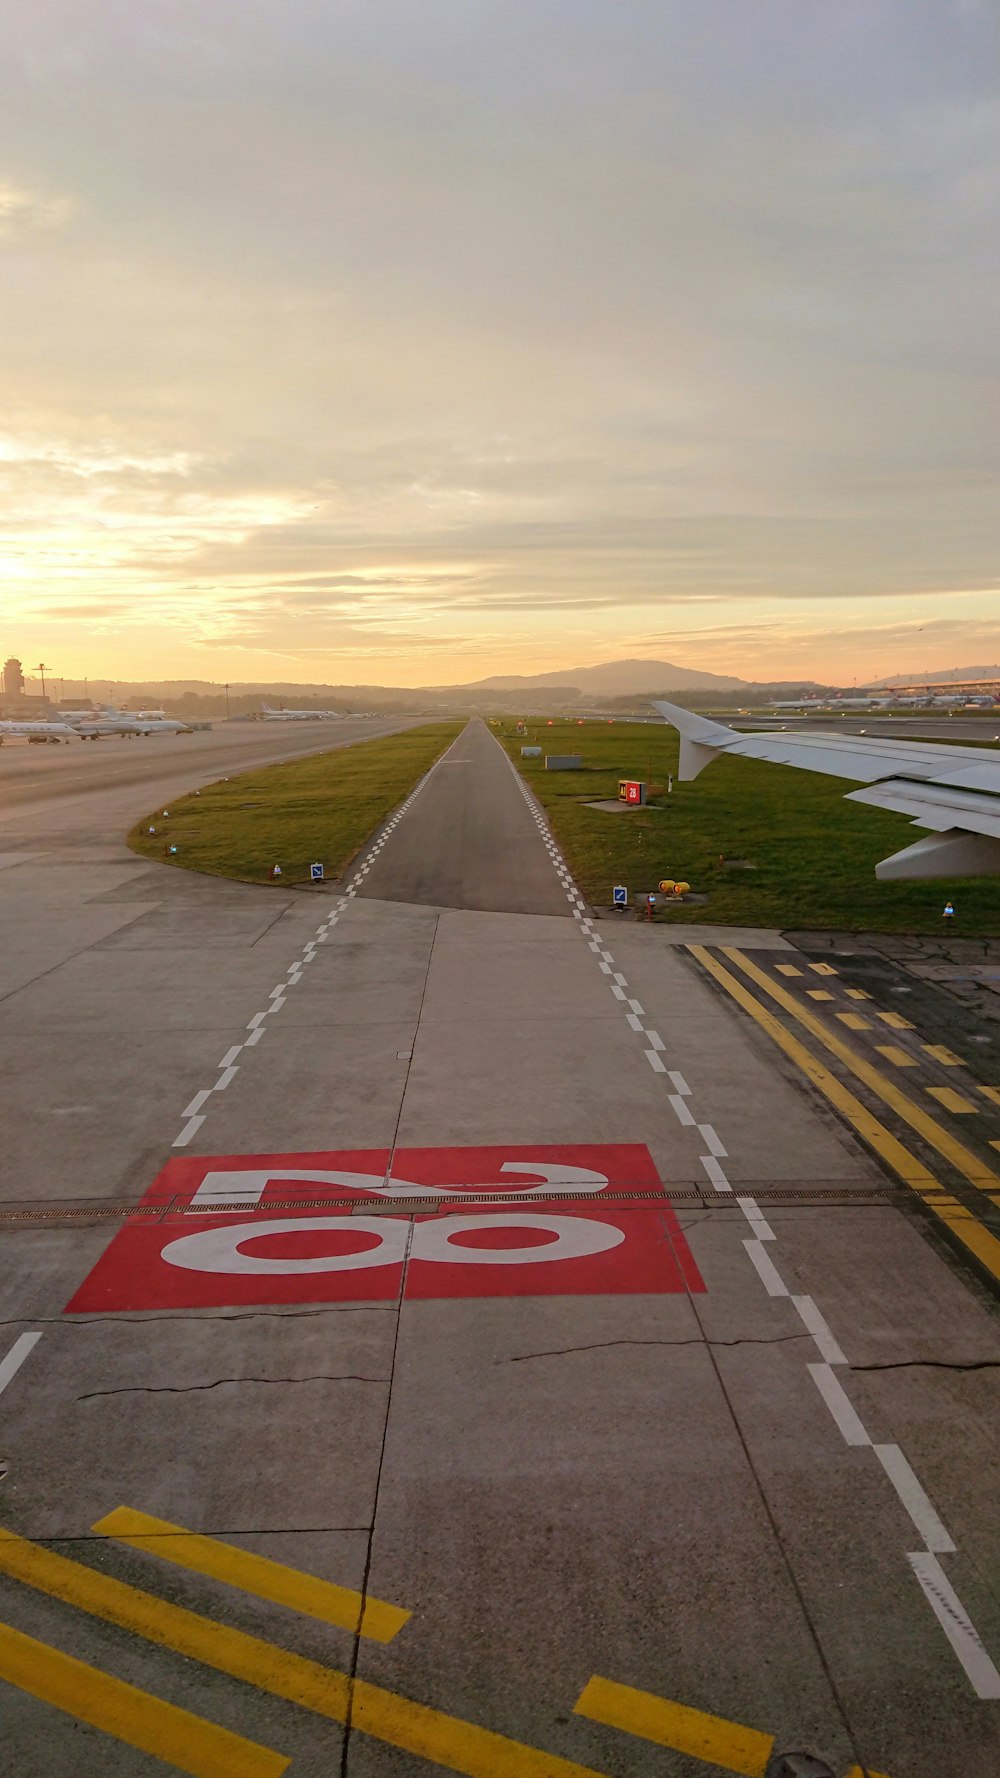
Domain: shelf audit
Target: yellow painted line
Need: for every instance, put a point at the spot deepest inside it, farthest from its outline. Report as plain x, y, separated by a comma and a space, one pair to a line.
694, 1732
994, 1144
968, 1164
162, 1730
854, 1021
991, 1093
951, 1100
818, 994
856, 994
942, 1054
399, 1722
315, 1598
823, 968
893, 1053
787, 969
896, 1020
912, 1171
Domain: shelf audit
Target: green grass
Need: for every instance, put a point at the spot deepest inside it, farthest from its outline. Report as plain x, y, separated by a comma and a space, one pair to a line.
813, 853
315, 810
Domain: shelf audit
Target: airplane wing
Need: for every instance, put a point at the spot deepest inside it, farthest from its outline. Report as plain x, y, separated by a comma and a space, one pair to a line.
954, 791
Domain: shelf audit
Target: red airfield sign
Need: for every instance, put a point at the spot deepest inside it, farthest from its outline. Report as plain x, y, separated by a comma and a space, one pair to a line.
270, 1229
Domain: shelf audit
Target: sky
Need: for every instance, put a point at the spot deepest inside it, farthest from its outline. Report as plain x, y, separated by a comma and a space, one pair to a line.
411, 341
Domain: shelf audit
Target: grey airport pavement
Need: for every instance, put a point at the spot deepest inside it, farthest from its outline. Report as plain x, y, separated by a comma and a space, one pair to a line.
726, 1472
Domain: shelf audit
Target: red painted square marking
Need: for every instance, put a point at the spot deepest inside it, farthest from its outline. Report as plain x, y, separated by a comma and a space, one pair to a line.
245, 1229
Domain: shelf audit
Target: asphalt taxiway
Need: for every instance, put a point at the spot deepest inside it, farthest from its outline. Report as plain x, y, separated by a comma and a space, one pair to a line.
444, 1330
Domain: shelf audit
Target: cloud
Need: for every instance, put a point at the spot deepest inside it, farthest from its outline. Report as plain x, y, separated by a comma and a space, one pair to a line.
22, 211
533, 325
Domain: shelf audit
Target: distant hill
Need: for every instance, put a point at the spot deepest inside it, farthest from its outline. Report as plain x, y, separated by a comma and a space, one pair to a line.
942, 678
610, 678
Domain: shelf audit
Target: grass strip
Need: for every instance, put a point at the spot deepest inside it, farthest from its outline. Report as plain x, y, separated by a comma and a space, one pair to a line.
317, 810
769, 845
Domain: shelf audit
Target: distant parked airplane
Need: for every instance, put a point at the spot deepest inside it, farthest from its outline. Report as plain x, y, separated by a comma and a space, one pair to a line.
270, 715
37, 731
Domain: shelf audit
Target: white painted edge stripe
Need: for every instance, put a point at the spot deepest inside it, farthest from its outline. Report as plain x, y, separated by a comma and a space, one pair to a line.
681, 1111
224, 1078
842, 1409
188, 1131
654, 1062
633, 1019
956, 1623
656, 1041
196, 1103
619, 993
818, 1328
915, 1499
256, 1020
634, 1004
255, 1037
715, 1172
11, 1364
711, 1141
230, 1055
756, 1218
770, 1277
680, 1084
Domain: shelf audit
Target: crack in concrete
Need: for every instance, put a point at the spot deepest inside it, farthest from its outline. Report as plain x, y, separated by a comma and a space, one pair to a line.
601, 1345
181, 1317
935, 1364
194, 1388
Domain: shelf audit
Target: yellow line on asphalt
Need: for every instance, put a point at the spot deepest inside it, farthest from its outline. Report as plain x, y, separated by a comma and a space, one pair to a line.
951, 1100
694, 1732
912, 1171
941, 1053
892, 1053
975, 1171
710, 1738
163, 1730
400, 1722
255, 1574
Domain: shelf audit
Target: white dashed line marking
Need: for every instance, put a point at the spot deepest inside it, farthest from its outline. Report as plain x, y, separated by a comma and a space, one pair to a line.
956, 1624
11, 1364
188, 1131
942, 1597
915, 1499
814, 1321
831, 1389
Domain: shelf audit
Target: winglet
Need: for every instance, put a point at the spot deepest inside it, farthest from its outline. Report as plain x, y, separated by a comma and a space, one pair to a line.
701, 739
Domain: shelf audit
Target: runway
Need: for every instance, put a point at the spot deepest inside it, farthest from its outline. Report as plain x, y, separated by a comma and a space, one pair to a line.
446, 1331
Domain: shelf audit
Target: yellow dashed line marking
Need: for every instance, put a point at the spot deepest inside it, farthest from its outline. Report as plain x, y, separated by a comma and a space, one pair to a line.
787, 969
969, 1165
694, 1732
896, 1020
818, 994
964, 1226
315, 1598
854, 1021
823, 968
168, 1733
951, 1100
856, 994
400, 1722
991, 1093
893, 1053
942, 1054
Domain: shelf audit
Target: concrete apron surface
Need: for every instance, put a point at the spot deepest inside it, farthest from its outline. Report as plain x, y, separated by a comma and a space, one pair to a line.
709, 1453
